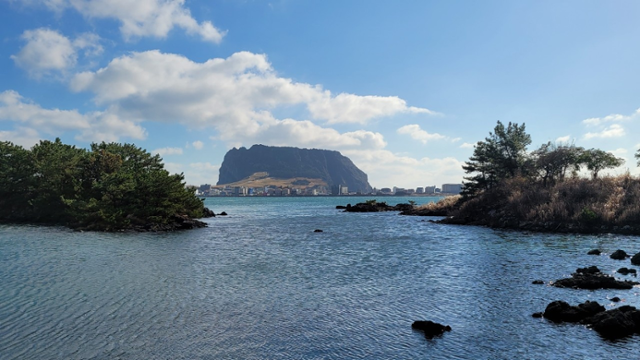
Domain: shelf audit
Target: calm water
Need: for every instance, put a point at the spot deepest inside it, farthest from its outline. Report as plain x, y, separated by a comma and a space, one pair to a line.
260, 284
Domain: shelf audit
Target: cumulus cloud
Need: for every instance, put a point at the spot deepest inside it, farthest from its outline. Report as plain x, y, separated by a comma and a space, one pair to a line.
46, 51
563, 139
417, 133
94, 126
390, 169
612, 131
140, 18
23, 136
610, 118
467, 145
197, 144
234, 95
168, 151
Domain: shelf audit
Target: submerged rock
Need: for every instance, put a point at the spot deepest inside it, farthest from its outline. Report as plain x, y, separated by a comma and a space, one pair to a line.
430, 328
561, 311
594, 252
537, 282
635, 260
317, 230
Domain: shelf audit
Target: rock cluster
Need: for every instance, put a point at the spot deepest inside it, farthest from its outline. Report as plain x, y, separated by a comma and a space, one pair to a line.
373, 206
591, 279
611, 324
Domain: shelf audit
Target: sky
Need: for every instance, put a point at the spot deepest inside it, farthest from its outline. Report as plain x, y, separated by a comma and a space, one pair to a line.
403, 88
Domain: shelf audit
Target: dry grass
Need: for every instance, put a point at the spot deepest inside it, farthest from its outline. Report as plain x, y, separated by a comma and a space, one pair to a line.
444, 204
262, 179
611, 201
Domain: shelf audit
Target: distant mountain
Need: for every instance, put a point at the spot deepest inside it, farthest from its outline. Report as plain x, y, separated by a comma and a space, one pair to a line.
289, 162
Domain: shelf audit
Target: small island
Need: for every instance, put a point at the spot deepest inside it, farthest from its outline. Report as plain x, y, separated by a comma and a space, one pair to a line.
110, 187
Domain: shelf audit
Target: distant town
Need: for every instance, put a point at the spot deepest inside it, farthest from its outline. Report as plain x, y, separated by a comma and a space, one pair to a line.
338, 190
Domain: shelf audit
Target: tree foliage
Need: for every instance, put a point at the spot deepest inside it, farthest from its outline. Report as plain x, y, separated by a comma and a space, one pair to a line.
502, 155
552, 161
597, 160
112, 186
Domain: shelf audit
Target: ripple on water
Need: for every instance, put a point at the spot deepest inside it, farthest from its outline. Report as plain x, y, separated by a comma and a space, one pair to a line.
261, 284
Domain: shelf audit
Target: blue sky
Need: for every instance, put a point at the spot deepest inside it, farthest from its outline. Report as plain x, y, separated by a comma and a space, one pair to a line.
402, 88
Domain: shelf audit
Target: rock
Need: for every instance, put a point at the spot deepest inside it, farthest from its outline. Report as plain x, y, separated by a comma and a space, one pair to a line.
340, 207
561, 311
538, 282
635, 260
223, 214
616, 323
619, 255
626, 271
588, 270
317, 230
430, 328
537, 315
615, 299
207, 213
594, 252
591, 279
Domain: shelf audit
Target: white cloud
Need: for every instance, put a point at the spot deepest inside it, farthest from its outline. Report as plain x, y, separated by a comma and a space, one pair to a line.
234, 95
417, 133
202, 173
613, 131
25, 137
47, 51
608, 118
349, 108
94, 126
391, 170
467, 145
140, 18
168, 151
563, 139
197, 144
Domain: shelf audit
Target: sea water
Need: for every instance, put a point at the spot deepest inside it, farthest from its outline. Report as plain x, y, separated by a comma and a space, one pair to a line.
261, 284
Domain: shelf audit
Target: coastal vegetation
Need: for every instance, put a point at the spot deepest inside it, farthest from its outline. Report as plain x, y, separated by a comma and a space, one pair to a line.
507, 186
109, 187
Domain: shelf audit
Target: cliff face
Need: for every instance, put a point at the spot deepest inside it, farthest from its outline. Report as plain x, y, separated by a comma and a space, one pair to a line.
290, 162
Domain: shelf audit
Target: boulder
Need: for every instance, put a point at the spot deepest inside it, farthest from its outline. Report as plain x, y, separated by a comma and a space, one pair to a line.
615, 299
561, 311
626, 271
619, 255
537, 282
207, 213
430, 328
222, 214
616, 323
591, 279
317, 230
635, 260
594, 252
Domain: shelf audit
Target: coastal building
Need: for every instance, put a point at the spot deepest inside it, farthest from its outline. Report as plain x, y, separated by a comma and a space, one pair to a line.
430, 189
452, 188
419, 190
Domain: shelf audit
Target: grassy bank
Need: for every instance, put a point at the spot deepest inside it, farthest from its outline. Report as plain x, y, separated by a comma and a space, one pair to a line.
608, 204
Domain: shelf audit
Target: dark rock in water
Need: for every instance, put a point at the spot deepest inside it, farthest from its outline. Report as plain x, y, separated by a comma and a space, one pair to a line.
538, 282
537, 315
615, 299
619, 255
430, 328
317, 230
611, 324
594, 252
223, 214
626, 271
616, 323
635, 260
591, 279
207, 213
340, 207
561, 311
588, 270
